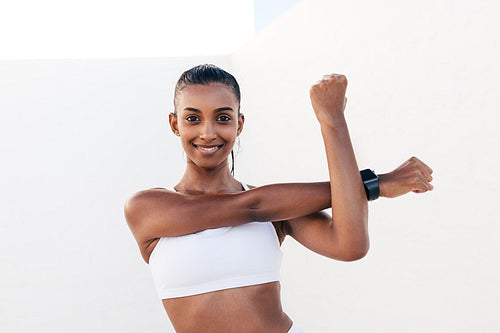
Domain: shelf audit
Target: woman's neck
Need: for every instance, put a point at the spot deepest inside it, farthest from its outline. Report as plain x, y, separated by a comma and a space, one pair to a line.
198, 180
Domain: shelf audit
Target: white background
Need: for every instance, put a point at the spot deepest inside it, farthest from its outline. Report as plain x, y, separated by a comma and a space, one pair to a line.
77, 137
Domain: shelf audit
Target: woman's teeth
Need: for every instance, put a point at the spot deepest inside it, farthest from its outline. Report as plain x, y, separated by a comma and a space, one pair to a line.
207, 148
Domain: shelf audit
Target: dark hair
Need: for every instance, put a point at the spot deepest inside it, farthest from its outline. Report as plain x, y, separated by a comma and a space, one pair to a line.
206, 74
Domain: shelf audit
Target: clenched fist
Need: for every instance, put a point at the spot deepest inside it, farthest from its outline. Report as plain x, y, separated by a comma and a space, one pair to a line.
413, 175
328, 98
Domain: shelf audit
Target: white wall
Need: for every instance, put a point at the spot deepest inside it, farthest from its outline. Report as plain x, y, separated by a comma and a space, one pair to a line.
77, 137
423, 80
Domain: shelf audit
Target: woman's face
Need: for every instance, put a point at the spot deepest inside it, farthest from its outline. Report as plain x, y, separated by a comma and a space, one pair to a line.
207, 122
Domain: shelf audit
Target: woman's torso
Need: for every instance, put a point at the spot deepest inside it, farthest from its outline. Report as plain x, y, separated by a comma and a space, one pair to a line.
221, 280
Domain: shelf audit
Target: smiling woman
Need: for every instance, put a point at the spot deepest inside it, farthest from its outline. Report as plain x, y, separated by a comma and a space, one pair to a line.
220, 93
213, 242
209, 121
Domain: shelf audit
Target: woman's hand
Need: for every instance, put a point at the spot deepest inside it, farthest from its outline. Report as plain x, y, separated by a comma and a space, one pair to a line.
328, 98
413, 175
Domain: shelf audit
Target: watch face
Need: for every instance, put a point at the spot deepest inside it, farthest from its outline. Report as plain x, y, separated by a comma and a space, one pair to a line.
368, 175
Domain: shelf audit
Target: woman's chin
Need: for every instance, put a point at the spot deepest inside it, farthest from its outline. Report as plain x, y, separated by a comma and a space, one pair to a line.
211, 166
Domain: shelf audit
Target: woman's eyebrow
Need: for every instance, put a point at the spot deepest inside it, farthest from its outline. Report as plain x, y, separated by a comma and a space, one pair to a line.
192, 109
225, 108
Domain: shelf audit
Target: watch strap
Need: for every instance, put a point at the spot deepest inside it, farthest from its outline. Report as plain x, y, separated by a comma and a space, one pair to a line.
370, 182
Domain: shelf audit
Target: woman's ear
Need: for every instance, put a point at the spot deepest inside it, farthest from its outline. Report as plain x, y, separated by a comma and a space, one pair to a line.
241, 122
172, 119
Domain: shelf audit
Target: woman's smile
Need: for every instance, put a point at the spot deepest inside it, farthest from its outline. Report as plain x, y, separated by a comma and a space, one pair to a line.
208, 149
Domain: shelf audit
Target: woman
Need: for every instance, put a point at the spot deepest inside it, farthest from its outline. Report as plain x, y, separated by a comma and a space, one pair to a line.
213, 244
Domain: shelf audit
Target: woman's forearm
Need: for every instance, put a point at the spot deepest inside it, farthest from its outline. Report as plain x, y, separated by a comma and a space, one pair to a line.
348, 198
286, 201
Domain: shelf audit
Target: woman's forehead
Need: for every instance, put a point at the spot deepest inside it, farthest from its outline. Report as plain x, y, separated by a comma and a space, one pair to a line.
210, 95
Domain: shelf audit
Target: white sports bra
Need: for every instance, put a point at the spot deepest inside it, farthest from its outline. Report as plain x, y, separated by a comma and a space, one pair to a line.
216, 259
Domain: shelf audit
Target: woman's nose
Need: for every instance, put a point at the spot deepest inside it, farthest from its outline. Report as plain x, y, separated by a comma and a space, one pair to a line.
208, 131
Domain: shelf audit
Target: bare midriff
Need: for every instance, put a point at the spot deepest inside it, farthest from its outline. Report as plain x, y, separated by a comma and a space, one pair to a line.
248, 309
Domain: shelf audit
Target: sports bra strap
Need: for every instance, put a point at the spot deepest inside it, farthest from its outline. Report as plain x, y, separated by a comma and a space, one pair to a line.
245, 186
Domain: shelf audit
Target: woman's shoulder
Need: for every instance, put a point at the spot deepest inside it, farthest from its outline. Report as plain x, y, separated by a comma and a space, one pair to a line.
141, 198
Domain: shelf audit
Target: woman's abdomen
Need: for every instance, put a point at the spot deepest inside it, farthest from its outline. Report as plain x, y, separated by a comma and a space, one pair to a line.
254, 308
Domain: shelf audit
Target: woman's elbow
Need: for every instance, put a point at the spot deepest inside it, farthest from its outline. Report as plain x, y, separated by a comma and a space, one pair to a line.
355, 249
358, 253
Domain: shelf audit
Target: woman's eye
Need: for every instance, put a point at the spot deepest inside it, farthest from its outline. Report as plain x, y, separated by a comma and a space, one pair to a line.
223, 117
191, 118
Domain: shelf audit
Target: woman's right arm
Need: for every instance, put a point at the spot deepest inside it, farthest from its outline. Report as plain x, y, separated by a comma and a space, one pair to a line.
161, 213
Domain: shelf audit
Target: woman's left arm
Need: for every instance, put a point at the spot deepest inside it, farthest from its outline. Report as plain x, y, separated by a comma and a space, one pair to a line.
317, 231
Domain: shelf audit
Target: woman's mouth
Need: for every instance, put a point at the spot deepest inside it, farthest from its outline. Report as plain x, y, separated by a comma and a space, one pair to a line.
207, 149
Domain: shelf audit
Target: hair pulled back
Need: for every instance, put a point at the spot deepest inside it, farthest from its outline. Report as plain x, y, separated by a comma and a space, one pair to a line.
204, 75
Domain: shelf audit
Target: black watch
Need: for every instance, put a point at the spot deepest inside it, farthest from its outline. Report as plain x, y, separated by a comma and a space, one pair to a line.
370, 181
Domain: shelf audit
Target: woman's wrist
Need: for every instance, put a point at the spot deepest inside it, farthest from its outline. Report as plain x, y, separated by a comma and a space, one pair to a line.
332, 121
383, 184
